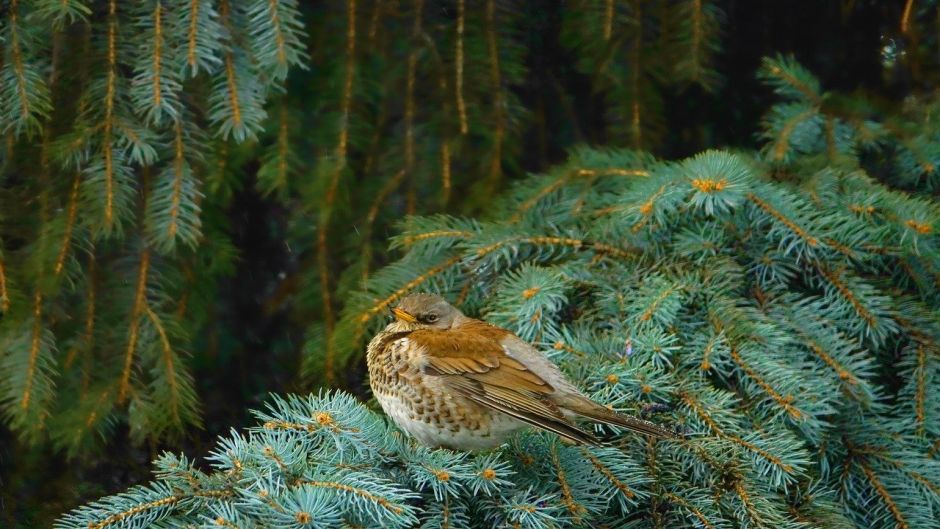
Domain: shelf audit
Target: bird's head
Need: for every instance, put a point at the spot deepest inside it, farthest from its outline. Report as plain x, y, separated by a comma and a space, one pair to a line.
425, 311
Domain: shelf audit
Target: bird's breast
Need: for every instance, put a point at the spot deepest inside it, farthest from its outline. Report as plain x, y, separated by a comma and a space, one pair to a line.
425, 408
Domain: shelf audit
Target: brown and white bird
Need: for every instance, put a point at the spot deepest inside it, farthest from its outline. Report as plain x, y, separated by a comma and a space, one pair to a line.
461, 383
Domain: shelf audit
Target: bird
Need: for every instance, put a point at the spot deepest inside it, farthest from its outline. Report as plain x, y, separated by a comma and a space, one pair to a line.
452, 381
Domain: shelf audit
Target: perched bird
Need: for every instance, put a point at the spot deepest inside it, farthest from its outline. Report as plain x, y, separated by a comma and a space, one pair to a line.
461, 383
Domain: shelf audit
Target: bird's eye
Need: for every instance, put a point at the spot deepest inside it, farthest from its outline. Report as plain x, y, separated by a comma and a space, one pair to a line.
430, 318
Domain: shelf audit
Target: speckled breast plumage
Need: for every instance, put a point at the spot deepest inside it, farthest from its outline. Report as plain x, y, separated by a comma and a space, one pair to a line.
422, 407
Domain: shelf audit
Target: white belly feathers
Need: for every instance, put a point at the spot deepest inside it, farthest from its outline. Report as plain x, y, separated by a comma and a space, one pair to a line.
500, 426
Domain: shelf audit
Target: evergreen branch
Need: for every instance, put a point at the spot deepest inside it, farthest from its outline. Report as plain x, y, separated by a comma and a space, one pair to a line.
69, 226
691, 508
24, 91
35, 346
178, 162
411, 239
646, 209
278, 34
283, 144
93, 415
635, 69
879, 453
380, 198
366, 315
785, 402
377, 9
790, 224
831, 149
138, 308
781, 69
713, 426
234, 99
885, 495
410, 89
707, 351
109, 114
445, 172
653, 469
835, 280
658, 300
275, 172
575, 508
222, 522
268, 451
499, 102
410, 108
920, 395
906, 16
362, 493
166, 501
841, 248
157, 55
608, 474
173, 209
193, 31
90, 299
4, 295
323, 420
168, 361
844, 374
235, 105
461, 105
696, 37
323, 232
749, 507
18, 61
608, 19
565, 178
577, 244
782, 142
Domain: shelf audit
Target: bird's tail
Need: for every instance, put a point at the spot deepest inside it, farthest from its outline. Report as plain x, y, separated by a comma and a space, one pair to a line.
591, 410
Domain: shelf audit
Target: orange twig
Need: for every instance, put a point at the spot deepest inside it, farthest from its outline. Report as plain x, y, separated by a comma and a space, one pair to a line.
461, 106
35, 346
69, 226
329, 317
608, 474
193, 30
575, 508
810, 240
885, 495
836, 281
785, 402
140, 301
906, 16
109, 113
157, 54
713, 426
383, 502
499, 99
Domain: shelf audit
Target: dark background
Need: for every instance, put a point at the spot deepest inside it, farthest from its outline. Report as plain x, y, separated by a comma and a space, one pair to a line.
841, 42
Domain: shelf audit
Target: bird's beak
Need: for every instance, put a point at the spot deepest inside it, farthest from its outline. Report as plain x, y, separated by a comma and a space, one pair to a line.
401, 315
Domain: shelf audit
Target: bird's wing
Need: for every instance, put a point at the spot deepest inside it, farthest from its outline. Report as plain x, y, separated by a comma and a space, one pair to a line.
472, 362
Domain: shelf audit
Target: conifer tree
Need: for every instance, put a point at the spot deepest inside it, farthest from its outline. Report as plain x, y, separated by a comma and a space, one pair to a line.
130, 128
779, 307
114, 115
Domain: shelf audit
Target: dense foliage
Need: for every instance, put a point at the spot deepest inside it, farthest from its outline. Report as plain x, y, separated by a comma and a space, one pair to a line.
780, 306
195, 197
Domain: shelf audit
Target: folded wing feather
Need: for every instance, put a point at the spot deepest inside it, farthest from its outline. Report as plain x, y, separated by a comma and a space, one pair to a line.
475, 366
